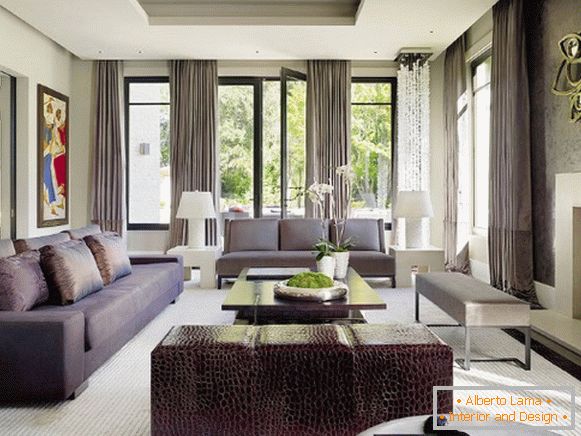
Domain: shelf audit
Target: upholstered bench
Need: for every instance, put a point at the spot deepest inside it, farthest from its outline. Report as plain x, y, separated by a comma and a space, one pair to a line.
472, 304
295, 379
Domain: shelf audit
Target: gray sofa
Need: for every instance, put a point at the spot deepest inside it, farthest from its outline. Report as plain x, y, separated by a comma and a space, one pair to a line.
49, 352
289, 243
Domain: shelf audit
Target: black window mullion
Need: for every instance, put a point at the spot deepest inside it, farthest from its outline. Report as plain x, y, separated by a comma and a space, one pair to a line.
393, 106
127, 84
258, 113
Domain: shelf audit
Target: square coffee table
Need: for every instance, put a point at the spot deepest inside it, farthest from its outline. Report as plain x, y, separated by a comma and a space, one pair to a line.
255, 303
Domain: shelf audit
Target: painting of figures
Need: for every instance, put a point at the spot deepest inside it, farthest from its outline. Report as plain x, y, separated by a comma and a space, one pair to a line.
53, 143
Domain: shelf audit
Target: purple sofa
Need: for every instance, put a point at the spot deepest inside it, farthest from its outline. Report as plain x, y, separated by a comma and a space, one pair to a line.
49, 352
289, 243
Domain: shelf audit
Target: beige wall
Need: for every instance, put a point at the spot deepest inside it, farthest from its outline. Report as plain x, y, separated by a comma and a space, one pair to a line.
437, 150
33, 59
81, 138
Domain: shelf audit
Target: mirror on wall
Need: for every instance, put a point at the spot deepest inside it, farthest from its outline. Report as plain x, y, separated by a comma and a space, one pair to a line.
7, 156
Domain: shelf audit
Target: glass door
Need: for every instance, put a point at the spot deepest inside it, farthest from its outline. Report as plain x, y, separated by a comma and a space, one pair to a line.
293, 98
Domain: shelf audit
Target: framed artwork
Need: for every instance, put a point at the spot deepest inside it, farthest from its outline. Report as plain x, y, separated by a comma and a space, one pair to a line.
53, 158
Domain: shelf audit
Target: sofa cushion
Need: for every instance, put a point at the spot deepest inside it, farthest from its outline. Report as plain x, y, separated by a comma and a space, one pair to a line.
110, 254
366, 234
301, 234
22, 245
231, 264
119, 306
147, 283
70, 270
251, 235
372, 263
6, 248
22, 283
81, 232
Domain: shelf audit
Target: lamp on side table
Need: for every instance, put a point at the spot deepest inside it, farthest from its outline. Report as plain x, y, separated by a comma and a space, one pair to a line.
196, 207
414, 206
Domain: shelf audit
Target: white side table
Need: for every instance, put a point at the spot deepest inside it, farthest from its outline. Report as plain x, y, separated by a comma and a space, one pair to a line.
203, 258
424, 259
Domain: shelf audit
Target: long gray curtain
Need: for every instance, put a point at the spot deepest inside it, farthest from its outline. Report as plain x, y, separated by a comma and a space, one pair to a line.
108, 155
193, 139
454, 88
328, 128
510, 236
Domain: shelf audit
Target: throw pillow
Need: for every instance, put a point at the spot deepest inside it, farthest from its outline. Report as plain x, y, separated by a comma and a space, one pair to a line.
70, 271
22, 283
110, 254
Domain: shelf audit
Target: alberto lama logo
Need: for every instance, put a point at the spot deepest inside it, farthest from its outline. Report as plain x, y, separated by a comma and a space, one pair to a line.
478, 400
493, 406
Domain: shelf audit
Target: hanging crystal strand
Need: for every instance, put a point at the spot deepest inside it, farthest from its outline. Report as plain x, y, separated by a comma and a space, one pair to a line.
413, 123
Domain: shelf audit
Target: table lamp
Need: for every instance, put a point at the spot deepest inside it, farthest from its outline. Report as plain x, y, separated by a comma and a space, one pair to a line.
196, 207
413, 206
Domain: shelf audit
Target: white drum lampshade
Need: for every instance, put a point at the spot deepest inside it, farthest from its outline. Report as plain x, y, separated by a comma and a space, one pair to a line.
413, 206
196, 207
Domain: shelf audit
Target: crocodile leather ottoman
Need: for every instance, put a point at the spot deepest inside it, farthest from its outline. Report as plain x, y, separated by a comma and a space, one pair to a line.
294, 379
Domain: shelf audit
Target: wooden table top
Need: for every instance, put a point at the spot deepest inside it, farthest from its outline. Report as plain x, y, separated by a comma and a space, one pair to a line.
258, 295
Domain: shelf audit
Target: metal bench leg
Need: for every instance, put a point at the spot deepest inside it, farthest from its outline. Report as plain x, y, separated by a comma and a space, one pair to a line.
417, 306
526, 365
467, 348
465, 363
527, 333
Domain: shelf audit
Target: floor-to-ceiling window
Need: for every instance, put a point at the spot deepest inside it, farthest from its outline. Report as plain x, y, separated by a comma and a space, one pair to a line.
481, 74
251, 172
238, 137
250, 154
147, 142
372, 133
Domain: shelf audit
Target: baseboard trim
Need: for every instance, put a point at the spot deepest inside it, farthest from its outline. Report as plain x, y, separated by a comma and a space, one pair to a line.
545, 294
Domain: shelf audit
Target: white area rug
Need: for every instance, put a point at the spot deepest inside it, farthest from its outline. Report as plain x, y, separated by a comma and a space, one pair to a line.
117, 399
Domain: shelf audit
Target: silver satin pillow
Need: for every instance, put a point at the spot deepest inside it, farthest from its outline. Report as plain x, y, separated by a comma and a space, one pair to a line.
70, 271
110, 254
22, 283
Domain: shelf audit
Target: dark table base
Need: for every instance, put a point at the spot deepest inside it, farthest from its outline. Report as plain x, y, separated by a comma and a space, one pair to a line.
249, 317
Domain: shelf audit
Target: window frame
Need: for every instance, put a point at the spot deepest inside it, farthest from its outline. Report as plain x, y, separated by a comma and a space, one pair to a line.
257, 82
128, 80
393, 104
476, 230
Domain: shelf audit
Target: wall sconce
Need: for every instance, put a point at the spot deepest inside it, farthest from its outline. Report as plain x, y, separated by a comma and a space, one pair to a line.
144, 149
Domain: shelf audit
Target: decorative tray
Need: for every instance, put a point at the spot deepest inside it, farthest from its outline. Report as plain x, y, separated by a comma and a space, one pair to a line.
282, 290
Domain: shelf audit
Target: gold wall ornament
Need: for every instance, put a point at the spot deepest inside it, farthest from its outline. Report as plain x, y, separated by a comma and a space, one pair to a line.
568, 80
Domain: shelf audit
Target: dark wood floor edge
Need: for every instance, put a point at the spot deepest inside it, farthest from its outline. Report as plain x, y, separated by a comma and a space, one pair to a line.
557, 358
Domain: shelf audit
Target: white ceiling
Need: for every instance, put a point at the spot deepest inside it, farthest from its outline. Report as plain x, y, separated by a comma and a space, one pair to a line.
120, 29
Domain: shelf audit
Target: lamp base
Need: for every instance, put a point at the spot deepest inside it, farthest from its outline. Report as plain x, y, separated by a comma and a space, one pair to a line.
414, 233
196, 233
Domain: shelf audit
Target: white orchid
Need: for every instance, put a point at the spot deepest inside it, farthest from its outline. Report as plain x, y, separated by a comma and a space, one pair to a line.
346, 172
317, 192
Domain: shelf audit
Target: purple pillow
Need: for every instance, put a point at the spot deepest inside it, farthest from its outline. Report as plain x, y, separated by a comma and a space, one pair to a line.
110, 254
22, 283
70, 271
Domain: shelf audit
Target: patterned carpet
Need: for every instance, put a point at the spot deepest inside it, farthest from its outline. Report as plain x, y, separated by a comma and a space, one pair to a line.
117, 399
